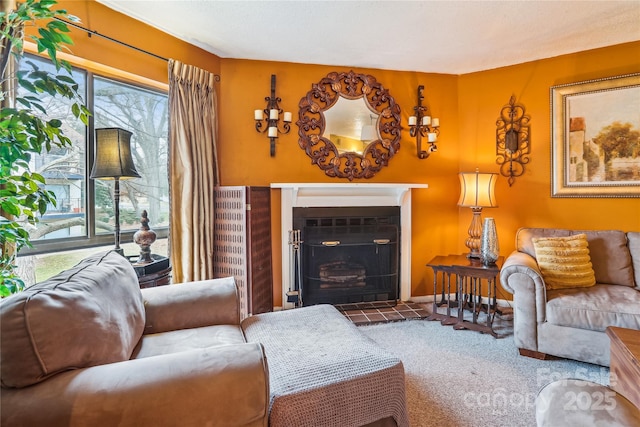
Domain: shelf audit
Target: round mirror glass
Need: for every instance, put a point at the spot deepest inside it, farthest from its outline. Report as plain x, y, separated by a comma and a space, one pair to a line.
350, 125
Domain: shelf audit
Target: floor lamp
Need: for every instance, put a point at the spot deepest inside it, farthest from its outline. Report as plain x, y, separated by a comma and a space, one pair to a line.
113, 162
477, 191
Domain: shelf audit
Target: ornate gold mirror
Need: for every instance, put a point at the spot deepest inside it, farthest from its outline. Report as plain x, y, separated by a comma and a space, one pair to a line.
339, 141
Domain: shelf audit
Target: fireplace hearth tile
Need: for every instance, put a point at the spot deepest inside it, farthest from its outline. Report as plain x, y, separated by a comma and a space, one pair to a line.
375, 317
358, 318
392, 317
364, 314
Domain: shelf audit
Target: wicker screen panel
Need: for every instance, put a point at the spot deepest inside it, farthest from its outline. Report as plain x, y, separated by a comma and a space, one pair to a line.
260, 270
243, 244
230, 257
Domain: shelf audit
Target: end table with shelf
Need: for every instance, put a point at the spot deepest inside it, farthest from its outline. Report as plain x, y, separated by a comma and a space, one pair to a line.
469, 289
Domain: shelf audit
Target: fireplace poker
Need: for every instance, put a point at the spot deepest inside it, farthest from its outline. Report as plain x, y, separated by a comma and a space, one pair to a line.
294, 295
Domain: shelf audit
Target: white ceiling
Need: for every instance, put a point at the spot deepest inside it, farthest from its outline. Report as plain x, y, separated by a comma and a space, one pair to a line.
452, 37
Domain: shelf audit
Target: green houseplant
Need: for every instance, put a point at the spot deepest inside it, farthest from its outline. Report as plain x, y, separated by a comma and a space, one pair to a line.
24, 132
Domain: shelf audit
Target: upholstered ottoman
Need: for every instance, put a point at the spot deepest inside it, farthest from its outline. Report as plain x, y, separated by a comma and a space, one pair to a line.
579, 403
324, 372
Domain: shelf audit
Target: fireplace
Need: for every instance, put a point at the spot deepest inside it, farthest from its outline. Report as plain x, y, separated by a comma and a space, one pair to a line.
307, 195
347, 254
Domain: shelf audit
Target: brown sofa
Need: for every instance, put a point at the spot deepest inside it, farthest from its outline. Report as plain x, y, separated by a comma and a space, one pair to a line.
88, 347
571, 323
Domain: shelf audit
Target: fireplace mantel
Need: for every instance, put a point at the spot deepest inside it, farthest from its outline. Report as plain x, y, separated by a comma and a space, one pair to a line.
347, 194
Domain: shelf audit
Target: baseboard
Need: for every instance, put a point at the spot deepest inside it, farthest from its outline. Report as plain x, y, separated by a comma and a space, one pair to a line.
423, 299
429, 298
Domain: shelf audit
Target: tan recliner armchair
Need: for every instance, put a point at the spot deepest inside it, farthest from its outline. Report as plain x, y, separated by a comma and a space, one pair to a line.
89, 348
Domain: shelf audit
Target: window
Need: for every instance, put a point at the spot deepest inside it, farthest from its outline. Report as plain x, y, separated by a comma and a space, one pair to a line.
144, 113
84, 214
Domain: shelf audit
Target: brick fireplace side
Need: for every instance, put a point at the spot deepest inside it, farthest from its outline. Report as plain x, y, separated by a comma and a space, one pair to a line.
346, 195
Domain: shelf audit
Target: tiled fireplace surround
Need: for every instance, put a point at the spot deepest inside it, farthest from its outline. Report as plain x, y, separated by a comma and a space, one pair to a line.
343, 195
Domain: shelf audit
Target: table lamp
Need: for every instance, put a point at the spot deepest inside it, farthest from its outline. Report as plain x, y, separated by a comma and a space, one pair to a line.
113, 162
476, 192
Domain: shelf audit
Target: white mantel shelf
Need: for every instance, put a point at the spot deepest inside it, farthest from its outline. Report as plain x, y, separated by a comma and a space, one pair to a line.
295, 195
350, 194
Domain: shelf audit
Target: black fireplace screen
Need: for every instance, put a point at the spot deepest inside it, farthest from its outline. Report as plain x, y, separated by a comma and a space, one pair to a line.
349, 255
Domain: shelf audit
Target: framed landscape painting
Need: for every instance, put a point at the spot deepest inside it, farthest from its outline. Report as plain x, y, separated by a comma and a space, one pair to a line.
595, 139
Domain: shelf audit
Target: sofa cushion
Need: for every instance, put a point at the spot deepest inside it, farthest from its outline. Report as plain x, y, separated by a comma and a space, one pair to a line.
609, 251
564, 261
89, 315
611, 257
188, 339
634, 249
594, 308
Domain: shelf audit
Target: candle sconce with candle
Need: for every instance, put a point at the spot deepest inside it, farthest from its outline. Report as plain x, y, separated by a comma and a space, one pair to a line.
268, 120
422, 125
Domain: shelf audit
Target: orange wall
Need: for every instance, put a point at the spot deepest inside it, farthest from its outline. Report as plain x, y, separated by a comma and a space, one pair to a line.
467, 105
245, 160
528, 201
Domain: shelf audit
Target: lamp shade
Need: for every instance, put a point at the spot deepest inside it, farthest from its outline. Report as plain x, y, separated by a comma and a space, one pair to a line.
477, 189
113, 158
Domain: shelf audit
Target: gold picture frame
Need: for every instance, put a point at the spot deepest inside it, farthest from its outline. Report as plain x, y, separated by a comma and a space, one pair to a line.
595, 138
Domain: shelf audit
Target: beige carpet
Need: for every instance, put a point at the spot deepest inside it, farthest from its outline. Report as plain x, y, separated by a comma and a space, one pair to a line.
462, 378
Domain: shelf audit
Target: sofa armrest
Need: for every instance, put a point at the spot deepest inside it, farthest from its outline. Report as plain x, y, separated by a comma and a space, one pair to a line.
226, 385
520, 275
191, 305
517, 264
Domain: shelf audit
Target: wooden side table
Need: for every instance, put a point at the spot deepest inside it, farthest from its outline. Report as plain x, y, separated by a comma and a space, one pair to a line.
442, 265
470, 291
625, 363
156, 273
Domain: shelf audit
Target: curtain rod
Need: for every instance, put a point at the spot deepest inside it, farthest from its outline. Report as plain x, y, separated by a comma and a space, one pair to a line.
95, 33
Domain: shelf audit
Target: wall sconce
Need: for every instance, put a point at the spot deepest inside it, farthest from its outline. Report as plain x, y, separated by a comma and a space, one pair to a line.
512, 140
477, 191
113, 162
270, 117
422, 125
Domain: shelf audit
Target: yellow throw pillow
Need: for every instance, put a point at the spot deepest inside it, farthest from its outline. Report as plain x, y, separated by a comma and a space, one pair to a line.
564, 261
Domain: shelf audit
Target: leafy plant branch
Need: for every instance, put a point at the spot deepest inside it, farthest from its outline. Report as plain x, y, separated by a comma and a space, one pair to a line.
24, 129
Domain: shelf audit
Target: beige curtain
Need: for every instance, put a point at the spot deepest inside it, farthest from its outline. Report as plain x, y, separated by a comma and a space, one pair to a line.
193, 170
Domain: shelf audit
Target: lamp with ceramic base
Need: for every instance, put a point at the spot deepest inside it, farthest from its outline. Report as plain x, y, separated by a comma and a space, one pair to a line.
113, 162
477, 191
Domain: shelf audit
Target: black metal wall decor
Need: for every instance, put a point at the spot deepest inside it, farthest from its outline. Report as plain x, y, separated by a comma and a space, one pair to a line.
422, 125
512, 140
270, 118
